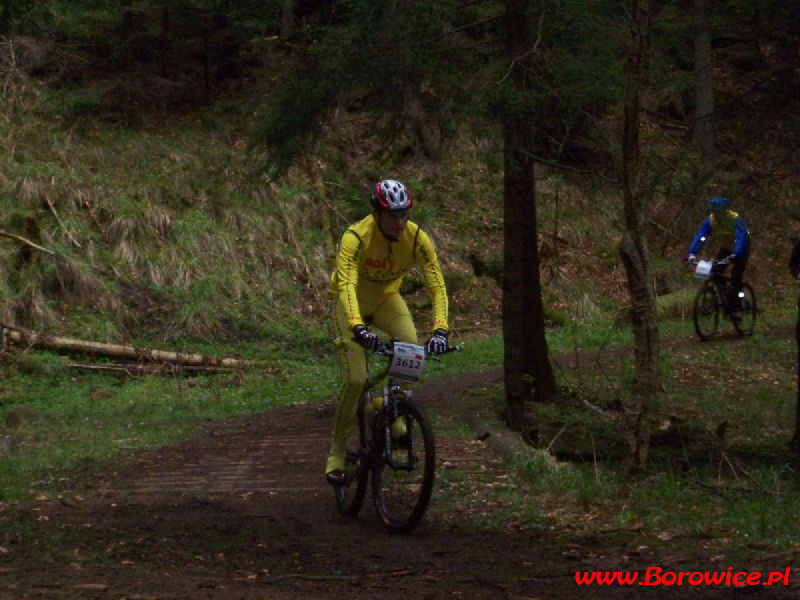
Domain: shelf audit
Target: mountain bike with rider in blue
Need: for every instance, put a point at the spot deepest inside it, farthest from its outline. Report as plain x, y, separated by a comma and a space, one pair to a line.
733, 238
729, 294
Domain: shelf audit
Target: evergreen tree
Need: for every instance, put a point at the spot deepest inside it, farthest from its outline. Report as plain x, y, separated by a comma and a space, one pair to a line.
547, 70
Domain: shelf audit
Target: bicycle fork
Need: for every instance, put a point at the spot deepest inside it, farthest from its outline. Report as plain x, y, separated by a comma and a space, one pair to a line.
725, 292
394, 394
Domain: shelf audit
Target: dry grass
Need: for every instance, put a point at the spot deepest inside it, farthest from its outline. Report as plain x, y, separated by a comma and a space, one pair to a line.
174, 237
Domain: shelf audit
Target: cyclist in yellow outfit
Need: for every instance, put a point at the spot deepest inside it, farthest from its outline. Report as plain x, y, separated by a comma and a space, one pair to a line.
374, 254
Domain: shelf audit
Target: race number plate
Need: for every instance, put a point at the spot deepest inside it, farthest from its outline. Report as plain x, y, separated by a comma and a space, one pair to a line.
408, 362
703, 270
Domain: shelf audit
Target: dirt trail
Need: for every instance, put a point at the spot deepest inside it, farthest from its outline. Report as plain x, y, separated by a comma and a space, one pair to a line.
242, 511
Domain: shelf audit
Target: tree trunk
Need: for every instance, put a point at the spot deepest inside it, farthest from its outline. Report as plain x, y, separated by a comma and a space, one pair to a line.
127, 35
528, 372
287, 18
796, 439
794, 269
635, 254
207, 59
704, 84
165, 38
427, 137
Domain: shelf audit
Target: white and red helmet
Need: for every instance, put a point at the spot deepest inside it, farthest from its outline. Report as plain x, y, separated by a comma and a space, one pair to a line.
390, 195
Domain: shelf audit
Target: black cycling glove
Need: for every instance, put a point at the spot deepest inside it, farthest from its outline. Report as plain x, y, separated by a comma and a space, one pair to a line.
363, 337
437, 344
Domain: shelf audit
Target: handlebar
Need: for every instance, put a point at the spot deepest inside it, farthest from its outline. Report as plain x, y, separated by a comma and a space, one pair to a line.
721, 262
387, 349
707, 269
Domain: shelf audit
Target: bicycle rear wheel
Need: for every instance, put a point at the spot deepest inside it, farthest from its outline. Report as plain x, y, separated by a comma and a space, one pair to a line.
402, 483
745, 316
706, 312
350, 496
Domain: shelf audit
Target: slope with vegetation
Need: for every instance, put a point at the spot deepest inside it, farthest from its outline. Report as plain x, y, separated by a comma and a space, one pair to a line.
142, 192
136, 211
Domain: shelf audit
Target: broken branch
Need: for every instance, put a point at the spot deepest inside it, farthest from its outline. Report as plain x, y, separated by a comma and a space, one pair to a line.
26, 241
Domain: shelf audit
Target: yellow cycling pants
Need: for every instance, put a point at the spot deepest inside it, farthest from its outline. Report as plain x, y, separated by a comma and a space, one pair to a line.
389, 314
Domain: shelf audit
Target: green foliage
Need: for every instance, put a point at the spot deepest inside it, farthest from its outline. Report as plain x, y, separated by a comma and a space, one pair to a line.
25, 18
720, 460
45, 364
294, 117
407, 62
418, 67
571, 78
71, 419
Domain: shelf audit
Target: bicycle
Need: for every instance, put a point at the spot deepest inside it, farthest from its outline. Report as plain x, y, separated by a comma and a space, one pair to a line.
402, 467
714, 297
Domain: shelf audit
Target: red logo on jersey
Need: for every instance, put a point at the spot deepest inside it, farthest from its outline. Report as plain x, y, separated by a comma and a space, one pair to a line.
386, 264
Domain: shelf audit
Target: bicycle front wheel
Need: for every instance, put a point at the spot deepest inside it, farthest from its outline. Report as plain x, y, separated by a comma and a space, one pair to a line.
350, 496
745, 316
402, 481
706, 312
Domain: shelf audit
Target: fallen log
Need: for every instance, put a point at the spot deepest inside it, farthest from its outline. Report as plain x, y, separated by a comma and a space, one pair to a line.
17, 335
138, 369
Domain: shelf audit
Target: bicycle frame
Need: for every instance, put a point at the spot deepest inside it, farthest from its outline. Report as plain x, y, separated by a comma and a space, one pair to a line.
721, 283
391, 392
713, 298
402, 469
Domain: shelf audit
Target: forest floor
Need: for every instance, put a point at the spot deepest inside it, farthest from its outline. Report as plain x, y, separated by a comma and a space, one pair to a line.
242, 511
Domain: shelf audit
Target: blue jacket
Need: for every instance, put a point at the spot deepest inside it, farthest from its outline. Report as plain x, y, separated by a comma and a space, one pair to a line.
729, 229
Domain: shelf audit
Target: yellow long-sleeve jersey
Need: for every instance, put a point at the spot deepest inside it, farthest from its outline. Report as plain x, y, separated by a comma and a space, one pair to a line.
370, 267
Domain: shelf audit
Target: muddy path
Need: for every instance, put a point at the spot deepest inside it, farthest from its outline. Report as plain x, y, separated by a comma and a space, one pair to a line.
242, 511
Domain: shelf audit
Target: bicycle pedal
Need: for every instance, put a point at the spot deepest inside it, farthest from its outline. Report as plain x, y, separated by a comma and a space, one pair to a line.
336, 478
402, 442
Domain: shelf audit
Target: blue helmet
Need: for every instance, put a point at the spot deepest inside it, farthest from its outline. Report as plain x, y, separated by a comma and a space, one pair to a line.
717, 204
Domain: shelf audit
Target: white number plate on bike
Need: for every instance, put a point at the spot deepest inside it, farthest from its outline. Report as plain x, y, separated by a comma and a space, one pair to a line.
703, 270
408, 362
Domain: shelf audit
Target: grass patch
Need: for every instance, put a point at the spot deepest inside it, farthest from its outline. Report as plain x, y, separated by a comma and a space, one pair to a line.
721, 473
720, 466
56, 423
57, 420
